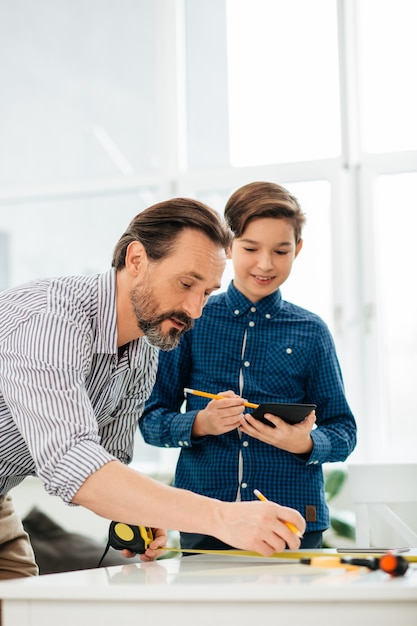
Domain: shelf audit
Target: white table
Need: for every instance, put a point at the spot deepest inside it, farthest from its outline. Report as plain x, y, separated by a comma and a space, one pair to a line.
207, 590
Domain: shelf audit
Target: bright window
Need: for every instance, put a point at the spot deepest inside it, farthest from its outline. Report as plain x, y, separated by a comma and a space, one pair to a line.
395, 218
387, 74
283, 81
78, 90
66, 236
96, 94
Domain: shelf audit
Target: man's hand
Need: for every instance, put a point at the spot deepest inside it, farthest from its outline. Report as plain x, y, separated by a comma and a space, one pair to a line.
259, 526
153, 551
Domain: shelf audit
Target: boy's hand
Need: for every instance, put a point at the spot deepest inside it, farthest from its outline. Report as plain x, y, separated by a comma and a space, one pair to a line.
219, 416
293, 438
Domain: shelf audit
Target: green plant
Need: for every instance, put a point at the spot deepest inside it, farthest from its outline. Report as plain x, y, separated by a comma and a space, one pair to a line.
341, 523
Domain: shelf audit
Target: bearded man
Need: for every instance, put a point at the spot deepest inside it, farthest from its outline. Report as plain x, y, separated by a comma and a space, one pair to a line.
78, 360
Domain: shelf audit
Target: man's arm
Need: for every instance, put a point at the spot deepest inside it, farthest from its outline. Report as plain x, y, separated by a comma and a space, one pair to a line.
119, 493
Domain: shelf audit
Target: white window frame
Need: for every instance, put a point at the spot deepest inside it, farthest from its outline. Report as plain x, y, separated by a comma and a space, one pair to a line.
351, 178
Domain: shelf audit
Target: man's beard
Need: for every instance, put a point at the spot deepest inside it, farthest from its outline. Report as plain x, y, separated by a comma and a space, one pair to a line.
144, 306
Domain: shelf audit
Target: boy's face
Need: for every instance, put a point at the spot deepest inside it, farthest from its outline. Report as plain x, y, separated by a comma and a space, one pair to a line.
263, 256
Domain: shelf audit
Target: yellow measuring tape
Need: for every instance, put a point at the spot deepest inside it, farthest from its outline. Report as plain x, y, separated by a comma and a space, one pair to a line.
287, 554
137, 539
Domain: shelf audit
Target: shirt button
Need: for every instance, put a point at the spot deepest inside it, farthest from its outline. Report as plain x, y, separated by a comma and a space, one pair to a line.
253, 309
313, 462
245, 444
236, 311
246, 363
288, 351
251, 323
185, 443
268, 317
180, 443
167, 445
244, 485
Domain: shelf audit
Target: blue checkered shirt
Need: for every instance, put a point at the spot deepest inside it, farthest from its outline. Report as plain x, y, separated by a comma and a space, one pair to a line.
271, 351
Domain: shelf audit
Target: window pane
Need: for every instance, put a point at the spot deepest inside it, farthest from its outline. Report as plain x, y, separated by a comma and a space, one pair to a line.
58, 238
78, 83
310, 283
283, 81
388, 53
206, 84
395, 228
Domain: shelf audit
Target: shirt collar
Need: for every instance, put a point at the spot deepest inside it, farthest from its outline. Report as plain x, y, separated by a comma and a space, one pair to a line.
269, 306
106, 338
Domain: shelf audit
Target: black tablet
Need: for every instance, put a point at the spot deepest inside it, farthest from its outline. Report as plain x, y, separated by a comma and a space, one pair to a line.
290, 413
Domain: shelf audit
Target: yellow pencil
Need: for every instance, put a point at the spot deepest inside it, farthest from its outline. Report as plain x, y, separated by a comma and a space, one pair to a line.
292, 528
213, 396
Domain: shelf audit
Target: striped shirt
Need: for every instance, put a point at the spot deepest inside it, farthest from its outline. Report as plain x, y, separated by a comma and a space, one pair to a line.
68, 405
271, 351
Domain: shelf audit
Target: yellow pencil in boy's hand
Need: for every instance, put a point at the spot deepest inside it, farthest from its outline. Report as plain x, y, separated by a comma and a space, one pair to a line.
213, 396
292, 528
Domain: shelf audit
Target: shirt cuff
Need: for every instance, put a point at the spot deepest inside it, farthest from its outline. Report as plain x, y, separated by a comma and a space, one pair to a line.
182, 429
321, 448
74, 468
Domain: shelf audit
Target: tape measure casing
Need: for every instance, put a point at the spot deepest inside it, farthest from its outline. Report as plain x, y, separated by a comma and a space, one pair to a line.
126, 537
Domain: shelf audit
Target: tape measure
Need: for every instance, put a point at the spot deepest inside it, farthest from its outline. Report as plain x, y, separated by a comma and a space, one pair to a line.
138, 538
126, 537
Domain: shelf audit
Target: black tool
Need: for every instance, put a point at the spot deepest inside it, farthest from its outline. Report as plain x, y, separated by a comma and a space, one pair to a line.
391, 564
126, 537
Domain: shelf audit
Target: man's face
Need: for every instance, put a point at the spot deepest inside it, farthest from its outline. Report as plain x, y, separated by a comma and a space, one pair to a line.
171, 292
